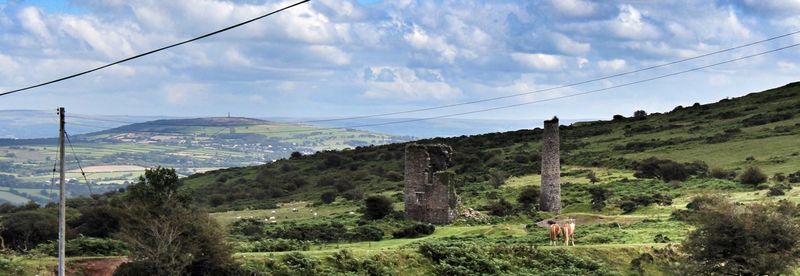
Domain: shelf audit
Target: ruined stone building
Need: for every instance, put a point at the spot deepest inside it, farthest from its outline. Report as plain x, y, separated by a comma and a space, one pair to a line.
551, 168
430, 194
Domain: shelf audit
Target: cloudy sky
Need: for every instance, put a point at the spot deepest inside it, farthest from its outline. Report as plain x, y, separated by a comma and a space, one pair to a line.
333, 58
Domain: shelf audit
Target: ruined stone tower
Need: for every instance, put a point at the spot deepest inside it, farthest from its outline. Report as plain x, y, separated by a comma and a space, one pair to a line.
551, 168
430, 194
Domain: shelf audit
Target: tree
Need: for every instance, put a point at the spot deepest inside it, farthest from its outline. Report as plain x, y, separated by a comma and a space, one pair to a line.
167, 235
295, 155
639, 114
377, 207
743, 240
599, 197
529, 197
25, 229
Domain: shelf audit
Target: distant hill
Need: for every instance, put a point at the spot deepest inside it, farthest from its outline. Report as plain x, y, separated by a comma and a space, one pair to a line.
118, 155
759, 129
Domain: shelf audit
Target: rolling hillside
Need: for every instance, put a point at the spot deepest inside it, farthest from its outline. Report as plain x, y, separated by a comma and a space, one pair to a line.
759, 129
118, 155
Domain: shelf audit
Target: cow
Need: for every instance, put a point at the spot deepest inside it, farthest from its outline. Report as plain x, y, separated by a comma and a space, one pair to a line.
569, 232
555, 231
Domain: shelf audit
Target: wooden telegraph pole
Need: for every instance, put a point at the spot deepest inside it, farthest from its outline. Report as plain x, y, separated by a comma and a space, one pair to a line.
62, 195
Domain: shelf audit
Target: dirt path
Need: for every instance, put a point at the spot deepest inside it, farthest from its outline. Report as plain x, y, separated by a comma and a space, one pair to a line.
95, 267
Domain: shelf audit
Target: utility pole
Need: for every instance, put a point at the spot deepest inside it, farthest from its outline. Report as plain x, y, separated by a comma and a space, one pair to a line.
61, 197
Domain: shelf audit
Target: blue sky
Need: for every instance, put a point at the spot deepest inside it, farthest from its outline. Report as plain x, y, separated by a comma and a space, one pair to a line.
341, 58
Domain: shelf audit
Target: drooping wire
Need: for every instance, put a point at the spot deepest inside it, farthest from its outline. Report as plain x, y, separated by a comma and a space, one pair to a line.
152, 51
88, 185
53, 179
523, 93
538, 101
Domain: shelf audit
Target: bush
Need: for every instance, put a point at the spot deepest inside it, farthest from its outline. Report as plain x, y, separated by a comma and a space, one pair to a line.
775, 191
794, 177
326, 232
720, 173
414, 231
366, 233
666, 170
599, 197
274, 245
85, 246
779, 177
344, 262
328, 197
501, 208
627, 206
249, 227
529, 197
753, 176
377, 207
735, 240
353, 195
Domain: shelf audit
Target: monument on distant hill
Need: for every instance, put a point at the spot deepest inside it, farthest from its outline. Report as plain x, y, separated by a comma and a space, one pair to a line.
551, 168
430, 194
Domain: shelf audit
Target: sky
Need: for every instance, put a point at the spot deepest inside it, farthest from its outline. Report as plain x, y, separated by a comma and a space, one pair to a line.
332, 58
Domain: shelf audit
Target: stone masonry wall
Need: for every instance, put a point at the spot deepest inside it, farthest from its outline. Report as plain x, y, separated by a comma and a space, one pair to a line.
429, 188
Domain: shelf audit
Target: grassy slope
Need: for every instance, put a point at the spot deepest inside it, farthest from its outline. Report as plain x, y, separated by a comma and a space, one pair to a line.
685, 134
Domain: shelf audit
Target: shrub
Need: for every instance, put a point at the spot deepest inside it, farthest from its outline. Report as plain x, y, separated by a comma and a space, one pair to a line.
735, 240
592, 177
779, 177
326, 232
274, 245
366, 233
300, 264
328, 197
377, 207
250, 227
775, 191
599, 197
661, 238
353, 195
501, 208
666, 170
627, 206
720, 173
414, 231
753, 176
529, 197
794, 177
85, 246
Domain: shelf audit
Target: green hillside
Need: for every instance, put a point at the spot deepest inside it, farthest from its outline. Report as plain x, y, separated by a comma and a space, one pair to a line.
116, 156
759, 129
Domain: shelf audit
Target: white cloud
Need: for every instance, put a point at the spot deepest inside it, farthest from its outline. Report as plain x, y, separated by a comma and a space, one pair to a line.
32, 21
407, 85
629, 24
184, 93
568, 46
613, 65
330, 54
576, 8
540, 61
419, 39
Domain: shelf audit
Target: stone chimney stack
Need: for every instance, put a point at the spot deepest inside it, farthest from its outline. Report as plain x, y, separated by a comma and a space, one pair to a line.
551, 168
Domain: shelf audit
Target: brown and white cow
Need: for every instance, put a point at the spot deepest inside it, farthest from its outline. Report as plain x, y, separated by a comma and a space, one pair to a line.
555, 231
569, 232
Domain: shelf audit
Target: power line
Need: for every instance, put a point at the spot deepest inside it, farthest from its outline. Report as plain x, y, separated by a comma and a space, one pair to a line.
500, 97
544, 100
152, 51
79, 163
